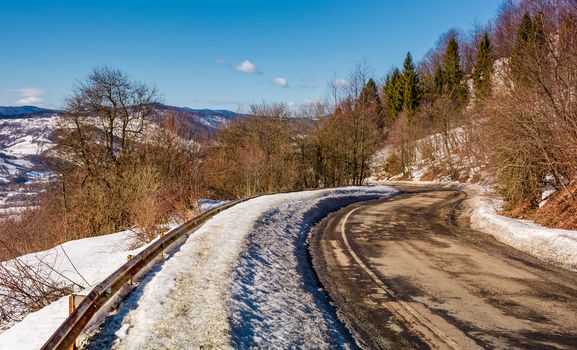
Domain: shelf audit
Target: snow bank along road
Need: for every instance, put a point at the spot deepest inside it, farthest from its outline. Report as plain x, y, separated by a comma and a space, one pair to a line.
242, 280
409, 273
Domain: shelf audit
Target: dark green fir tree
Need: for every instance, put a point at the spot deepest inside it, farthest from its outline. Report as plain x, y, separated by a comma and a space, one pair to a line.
411, 91
483, 69
453, 75
521, 49
394, 92
370, 102
439, 81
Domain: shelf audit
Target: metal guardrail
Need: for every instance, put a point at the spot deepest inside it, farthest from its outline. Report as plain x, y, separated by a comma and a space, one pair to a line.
66, 335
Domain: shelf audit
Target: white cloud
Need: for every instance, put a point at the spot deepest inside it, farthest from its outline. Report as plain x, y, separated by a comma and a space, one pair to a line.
236, 105
307, 101
222, 62
28, 95
303, 102
340, 82
29, 91
307, 83
280, 81
247, 66
30, 100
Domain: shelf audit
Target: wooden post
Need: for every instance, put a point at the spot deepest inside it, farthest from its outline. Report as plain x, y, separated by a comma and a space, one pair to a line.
73, 301
162, 253
70, 303
70, 310
128, 258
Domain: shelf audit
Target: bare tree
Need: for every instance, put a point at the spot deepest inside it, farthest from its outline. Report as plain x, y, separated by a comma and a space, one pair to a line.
256, 154
103, 122
99, 136
535, 121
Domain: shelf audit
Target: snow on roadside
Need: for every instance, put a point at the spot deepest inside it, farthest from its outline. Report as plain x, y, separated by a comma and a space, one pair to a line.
275, 299
187, 302
555, 246
95, 258
208, 204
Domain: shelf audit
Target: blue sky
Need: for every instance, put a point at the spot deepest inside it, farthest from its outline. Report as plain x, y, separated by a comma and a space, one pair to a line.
215, 54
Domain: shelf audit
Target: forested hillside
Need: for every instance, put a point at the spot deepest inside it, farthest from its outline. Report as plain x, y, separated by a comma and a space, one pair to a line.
493, 104
498, 104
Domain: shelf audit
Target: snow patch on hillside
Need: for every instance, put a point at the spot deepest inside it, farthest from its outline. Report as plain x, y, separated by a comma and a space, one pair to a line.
429, 159
26, 136
95, 258
22, 140
555, 246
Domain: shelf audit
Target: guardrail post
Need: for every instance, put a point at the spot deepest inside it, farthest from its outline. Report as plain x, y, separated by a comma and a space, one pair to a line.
128, 258
73, 301
162, 254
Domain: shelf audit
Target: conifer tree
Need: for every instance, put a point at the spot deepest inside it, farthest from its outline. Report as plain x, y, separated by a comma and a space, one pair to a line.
370, 102
369, 96
394, 92
483, 69
438, 81
537, 36
453, 75
520, 49
411, 91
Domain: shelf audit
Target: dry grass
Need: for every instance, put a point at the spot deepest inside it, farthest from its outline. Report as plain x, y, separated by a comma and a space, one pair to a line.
560, 211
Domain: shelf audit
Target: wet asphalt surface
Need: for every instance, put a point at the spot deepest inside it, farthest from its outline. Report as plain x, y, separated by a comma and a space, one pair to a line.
408, 272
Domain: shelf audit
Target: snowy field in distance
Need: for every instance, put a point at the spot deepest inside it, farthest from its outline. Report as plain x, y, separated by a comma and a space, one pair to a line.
22, 140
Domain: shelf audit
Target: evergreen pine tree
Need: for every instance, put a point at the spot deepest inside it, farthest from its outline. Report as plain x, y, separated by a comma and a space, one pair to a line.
537, 36
369, 101
370, 95
394, 92
411, 91
521, 49
438, 81
453, 75
483, 69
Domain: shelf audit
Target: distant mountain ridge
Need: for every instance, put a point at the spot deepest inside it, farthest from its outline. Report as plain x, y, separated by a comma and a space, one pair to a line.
27, 131
25, 111
206, 119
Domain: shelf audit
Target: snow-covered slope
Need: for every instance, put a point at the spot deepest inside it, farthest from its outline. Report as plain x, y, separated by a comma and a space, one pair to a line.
555, 246
86, 262
22, 140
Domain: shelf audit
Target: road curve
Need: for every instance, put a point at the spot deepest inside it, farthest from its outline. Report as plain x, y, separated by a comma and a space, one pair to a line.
408, 272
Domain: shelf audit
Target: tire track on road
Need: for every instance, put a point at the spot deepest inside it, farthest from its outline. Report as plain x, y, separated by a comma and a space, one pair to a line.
417, 322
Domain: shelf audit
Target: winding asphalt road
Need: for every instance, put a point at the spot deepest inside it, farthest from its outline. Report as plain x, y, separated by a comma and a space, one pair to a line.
408, 272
